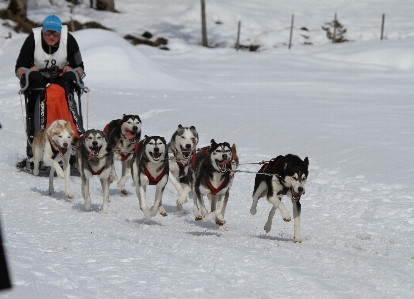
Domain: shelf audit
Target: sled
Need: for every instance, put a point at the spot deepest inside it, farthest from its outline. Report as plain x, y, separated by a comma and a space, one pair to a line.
52, 103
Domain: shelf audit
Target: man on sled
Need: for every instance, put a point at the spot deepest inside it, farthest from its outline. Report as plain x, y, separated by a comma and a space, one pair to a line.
50, 54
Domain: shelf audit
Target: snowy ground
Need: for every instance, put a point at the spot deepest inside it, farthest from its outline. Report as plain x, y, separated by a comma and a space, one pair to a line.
347, 107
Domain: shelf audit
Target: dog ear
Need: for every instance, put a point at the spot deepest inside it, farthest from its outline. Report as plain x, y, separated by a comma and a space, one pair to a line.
180, 126
306, 161
213, 142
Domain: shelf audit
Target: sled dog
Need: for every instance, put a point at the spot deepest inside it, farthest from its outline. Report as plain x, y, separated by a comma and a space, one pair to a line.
236, 162
150, 167
180, 151
94, 157
210, 173
284, 175
123, 135
52, 145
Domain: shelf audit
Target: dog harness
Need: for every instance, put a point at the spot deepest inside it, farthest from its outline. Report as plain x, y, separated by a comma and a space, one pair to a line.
98, 172
154, 181
213, 190
124, 156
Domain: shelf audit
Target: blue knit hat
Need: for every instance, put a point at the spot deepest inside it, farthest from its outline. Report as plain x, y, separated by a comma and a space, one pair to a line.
52, 22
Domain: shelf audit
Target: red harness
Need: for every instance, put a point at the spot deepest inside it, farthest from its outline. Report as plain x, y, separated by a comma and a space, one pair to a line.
95, 172
213, 190
154, 181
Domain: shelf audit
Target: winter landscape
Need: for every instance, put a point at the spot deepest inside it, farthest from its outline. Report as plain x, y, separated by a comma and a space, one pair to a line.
348, 107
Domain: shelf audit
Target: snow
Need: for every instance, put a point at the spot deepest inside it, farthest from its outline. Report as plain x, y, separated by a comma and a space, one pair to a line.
348, 107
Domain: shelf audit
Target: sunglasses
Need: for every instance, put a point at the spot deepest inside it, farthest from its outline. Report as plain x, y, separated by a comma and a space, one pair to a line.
50, 32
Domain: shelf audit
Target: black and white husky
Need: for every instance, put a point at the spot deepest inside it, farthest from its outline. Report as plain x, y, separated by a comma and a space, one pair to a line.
123, 135
94, 157
211, 174
180, 151
150, 167
284, 175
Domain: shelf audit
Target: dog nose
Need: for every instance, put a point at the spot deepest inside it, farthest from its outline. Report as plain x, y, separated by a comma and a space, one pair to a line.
95, 143
188, 146
134, 128
300, 189
156, 149
65, 145
224, 157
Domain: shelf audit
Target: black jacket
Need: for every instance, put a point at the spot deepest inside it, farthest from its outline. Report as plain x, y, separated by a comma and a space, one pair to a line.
26, 56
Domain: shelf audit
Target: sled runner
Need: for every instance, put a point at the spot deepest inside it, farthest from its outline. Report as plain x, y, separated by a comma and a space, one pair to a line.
52, 103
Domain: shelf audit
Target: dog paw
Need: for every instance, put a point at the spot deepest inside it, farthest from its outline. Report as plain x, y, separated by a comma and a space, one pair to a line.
198, 218
253, 211
287, 218
124, 192
298, 240
36, 172
268, 227
69, 196
61, 174
87, 206
147, 213
220, 222
181, 201
164, 213
51, 191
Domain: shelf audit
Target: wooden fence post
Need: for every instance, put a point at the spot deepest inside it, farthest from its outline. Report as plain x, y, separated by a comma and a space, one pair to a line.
382, 26
203, 24
291, 31
237, 46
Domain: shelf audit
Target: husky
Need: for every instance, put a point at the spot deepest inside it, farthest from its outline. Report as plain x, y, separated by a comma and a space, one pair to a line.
212, 172
123, 135
150, 167
94, 157
52, 145
180, 151
236, 163
284, 175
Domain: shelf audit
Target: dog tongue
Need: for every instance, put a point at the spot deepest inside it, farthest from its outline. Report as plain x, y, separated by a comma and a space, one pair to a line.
91, 153
129, 135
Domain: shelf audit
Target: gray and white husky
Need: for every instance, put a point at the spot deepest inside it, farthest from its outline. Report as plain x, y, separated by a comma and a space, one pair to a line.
180, 151
211, 173
94, 157
284, 175
123, 135
150, 167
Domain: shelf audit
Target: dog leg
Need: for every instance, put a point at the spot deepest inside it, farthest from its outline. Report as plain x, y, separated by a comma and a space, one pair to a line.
85, 192
296, 217
268, 225
202, 206
141, 190
51, 175
126, 174
105, 188
157, 202
256, 195
216, 212
276, 202
196, 211
66, 171
220, 218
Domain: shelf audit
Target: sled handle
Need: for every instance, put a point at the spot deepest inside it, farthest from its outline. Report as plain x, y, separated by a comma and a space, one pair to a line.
26, 74
79, 79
